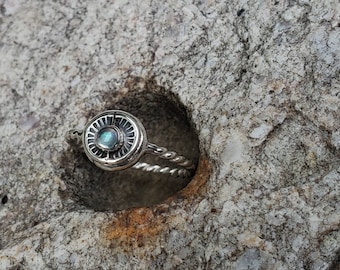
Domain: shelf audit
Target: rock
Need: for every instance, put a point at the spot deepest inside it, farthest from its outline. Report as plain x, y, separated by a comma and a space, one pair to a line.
260, 83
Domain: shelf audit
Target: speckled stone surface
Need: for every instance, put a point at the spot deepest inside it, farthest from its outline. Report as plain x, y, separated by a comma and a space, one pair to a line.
260, 80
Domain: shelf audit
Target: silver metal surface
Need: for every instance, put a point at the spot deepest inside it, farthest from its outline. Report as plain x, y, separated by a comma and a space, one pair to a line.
130, 146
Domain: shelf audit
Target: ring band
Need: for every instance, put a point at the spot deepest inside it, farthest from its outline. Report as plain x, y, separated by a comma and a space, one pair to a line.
115, 140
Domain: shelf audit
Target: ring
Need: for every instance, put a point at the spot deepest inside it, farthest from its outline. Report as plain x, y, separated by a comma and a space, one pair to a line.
115, 140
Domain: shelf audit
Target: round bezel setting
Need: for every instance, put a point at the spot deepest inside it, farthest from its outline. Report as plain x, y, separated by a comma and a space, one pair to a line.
131, 140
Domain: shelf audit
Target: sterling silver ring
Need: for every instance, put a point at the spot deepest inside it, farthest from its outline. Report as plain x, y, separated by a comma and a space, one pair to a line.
115, 140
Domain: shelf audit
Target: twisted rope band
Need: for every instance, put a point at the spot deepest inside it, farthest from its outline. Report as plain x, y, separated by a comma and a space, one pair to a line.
162, 152
158, 169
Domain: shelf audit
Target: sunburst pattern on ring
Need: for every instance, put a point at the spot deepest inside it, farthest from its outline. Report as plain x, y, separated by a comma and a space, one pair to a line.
120, 132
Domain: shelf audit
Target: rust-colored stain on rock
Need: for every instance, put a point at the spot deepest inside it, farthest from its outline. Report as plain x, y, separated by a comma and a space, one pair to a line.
196, 186
135, 224
139, 224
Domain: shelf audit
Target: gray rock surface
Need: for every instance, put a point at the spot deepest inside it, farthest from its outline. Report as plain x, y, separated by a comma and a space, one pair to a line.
260, 80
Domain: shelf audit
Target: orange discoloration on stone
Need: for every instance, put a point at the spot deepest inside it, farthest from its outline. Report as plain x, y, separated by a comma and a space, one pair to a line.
197, 184
134, 224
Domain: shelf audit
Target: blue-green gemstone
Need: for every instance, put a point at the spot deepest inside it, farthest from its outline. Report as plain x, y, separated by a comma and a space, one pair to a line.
107, 138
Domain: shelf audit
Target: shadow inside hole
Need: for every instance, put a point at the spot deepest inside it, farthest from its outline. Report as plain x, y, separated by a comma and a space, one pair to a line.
167, 125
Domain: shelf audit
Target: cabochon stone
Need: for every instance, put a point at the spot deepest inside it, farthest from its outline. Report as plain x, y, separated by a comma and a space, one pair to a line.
107, 138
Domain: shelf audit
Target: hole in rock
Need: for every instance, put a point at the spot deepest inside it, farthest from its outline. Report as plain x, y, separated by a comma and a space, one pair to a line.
4, 199
240, 12
167, 124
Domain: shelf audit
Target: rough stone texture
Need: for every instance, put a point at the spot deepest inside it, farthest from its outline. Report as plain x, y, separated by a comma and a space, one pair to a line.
260, 80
